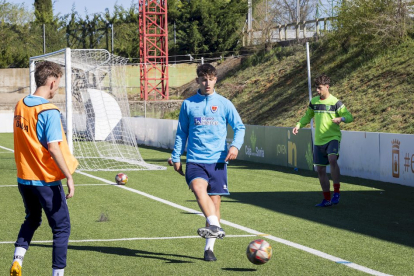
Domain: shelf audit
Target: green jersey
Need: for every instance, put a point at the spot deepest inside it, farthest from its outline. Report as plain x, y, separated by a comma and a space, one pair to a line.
324, 111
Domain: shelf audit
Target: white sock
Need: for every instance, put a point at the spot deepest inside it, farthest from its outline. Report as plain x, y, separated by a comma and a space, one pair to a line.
210, 244
19, 255
213, 220
58, 272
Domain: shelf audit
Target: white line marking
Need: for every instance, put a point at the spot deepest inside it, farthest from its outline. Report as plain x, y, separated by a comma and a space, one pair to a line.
1, 186
7, 149
254, 232
132, 239
249, 230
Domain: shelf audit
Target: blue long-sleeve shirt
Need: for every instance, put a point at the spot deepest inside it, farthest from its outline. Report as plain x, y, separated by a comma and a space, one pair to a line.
203, 121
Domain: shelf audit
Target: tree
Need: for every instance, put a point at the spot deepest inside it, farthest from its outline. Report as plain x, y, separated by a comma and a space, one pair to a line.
206, 26
18, 39
14, 13
43, 11
372, 25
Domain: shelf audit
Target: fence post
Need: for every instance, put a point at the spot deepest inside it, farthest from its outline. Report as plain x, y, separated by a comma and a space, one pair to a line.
317, 27
280, 32
304, 29
44, 39
297, 30
285, 31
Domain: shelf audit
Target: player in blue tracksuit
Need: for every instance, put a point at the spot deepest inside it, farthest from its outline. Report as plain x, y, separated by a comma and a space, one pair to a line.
203, 122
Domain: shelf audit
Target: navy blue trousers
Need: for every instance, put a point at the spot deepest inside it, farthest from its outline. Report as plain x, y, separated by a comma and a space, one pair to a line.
53, 201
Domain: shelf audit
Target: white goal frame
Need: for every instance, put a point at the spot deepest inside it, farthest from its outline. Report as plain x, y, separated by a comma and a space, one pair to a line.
127, 156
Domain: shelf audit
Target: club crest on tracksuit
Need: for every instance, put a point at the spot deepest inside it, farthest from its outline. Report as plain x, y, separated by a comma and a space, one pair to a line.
214, 108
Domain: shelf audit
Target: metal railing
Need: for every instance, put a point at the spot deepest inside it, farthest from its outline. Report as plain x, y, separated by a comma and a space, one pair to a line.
290, 31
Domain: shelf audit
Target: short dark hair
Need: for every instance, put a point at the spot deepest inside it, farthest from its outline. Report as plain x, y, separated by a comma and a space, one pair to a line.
206, 70
322, 80
46, 69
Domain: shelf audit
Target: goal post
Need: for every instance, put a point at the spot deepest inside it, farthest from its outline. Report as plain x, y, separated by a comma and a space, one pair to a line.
93, 101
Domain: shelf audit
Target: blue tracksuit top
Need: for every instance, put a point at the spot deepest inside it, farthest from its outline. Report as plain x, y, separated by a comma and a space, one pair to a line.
203, 121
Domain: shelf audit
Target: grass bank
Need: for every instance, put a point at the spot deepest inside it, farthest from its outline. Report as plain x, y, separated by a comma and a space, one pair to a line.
270, 88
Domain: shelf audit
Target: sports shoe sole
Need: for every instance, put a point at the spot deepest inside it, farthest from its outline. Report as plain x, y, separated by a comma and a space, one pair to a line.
16, 269
207, 233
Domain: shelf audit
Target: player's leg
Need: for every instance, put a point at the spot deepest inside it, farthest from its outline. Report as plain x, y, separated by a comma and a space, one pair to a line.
217, 187
333, 155
325, 185
335, 171
54, 204
197, 179
32, 221
320, 158
206, 204
199, 188
209, 247
217, 203
323, 178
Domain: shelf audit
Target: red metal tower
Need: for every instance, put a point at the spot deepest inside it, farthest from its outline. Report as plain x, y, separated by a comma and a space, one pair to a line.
153, 49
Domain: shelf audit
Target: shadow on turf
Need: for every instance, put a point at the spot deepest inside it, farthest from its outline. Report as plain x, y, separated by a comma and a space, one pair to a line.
385, 215
122, 251
239, 269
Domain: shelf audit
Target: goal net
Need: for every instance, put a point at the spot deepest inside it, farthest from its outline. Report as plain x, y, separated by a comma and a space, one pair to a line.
95, 110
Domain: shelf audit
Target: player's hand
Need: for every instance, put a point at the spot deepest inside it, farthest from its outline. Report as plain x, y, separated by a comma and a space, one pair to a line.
232, 154
178, 168
295, 130
337, 120
71, 188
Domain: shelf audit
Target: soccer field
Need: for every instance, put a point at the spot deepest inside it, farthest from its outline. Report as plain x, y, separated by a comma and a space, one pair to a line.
148, 227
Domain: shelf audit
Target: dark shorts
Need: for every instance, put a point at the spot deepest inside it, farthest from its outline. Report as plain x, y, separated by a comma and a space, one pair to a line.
320, 153
215, 175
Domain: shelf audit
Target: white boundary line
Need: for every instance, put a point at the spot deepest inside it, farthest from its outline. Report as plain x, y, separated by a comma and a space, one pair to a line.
249, 230
7, 149
76, 185
132, 239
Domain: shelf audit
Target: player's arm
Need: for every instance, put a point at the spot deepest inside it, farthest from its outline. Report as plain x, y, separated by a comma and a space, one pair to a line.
305, 119
57, 156
180, 139
344, 115
53, 129
239, 129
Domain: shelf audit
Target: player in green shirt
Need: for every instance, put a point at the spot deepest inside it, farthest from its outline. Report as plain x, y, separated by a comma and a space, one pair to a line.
328, 113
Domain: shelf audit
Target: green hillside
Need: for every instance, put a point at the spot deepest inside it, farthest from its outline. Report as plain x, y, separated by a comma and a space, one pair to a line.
271, 88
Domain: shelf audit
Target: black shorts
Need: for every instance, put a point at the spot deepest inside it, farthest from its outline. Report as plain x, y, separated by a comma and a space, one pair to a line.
320, 153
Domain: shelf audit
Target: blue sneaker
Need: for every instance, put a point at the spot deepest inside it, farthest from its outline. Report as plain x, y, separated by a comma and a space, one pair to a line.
335, 198
324, 203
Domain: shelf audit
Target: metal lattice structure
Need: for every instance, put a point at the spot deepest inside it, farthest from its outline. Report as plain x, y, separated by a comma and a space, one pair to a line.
153, 49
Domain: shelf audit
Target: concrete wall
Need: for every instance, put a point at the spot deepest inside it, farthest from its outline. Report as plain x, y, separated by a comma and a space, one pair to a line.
14, 80
17, 79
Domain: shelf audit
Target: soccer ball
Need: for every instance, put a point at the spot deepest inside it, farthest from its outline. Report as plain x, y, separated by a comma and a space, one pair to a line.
121, 179
259, 252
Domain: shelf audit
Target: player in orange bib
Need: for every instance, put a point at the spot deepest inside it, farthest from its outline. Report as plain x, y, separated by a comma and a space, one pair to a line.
43, 159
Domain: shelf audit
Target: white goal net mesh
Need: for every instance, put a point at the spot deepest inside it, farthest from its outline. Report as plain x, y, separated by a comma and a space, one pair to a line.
102, 134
